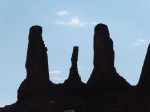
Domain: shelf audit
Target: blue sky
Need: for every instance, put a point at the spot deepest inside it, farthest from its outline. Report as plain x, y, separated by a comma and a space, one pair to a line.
66, 24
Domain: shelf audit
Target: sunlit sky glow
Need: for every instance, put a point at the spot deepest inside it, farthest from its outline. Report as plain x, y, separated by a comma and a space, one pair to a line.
66, 24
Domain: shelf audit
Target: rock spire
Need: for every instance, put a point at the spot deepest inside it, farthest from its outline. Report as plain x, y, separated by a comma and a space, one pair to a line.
104, 75
74, 80
37, 79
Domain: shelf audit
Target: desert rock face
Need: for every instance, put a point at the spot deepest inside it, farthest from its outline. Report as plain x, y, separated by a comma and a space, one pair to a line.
104, 75
37, 79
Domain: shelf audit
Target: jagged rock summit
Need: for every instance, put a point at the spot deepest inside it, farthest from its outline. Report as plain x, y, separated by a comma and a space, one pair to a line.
37, 80
104, 75
110, 92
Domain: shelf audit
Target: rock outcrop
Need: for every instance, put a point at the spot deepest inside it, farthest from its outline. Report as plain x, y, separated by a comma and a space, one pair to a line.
105, 90
144, 82
74, 81
104, 75
37, 80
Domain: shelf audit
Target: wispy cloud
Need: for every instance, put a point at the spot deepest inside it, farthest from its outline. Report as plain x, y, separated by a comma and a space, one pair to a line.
62, 13
56, 75
138, 42
74, 21
71, 20
56, 72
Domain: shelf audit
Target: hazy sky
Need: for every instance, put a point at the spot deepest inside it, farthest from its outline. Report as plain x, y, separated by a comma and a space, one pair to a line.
68, 23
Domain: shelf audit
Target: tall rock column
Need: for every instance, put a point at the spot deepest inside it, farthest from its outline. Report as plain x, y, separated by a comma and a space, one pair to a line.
103, 48
74, 81
104, 75
37, 61
74, 59
144, 82
37, 80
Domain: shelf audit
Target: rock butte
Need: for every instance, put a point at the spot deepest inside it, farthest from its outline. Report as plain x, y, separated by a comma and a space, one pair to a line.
111, 91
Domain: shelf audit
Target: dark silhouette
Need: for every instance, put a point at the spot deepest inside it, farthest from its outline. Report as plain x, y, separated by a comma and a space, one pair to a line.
103, 49
105, 90
37, 80
104, 75
74, 81
144, 82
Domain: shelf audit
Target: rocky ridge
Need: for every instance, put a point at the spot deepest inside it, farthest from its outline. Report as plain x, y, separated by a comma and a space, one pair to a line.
105, 91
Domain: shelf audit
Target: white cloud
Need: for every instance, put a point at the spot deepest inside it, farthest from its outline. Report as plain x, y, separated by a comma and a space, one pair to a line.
62, 13
75, 21
56, 76
56, 72
71, 20
138, 42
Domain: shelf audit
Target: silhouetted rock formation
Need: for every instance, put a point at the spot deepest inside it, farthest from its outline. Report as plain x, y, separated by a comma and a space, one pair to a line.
104, 75
74, 80
37, 79
144, 82
103, 48
110, 92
